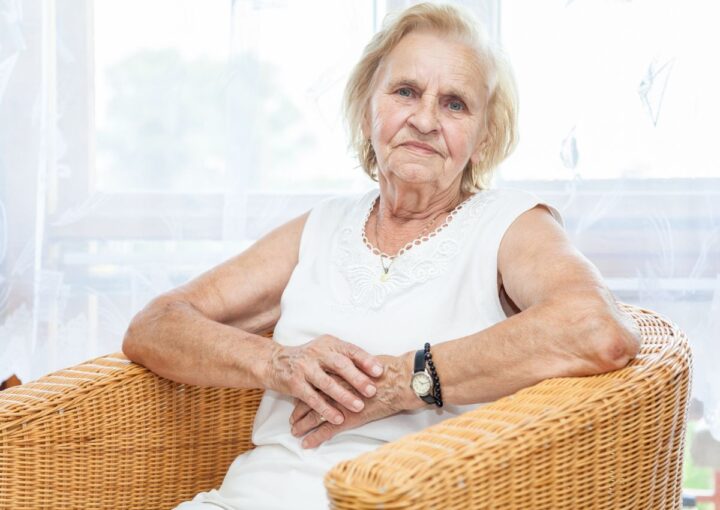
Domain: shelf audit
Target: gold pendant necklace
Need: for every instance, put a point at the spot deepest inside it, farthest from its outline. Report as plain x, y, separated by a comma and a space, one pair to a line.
384, 276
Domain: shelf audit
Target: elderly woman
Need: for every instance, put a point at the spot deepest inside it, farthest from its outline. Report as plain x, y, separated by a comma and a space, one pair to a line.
404, 306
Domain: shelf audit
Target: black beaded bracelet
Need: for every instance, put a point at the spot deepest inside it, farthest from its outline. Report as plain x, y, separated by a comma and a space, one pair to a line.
437, 392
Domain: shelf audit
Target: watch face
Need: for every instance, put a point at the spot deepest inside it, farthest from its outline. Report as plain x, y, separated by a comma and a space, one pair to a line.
421, 384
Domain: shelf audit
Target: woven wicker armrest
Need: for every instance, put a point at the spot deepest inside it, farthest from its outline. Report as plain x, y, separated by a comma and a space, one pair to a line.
108, 433
609, 441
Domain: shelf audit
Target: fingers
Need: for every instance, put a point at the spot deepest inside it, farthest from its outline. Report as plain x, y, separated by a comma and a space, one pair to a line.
348, 361
365, 361
321, 434
313, 399
337, 392
305, 424
300, 410
312, 420
326, 368
343, 366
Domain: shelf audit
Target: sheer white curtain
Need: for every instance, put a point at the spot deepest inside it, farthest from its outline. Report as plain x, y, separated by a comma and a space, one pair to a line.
618, 124
143, 142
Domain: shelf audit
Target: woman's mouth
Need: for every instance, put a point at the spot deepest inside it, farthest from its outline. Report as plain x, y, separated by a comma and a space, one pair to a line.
419, 148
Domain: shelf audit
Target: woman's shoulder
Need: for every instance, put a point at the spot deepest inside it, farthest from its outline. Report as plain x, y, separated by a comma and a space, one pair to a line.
514, 201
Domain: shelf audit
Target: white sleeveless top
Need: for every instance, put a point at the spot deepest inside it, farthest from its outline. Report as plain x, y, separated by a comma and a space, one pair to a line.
441, 289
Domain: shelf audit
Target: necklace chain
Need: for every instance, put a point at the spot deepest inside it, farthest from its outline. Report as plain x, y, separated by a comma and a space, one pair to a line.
418, 240
392, 257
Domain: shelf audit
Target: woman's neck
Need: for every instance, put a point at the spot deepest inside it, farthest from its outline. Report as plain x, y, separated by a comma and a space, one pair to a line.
398, 218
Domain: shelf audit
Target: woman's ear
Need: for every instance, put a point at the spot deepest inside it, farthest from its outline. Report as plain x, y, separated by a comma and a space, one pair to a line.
478, 154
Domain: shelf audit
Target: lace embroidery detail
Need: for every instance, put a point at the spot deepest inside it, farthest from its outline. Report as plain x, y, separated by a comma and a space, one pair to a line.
426, 260
415, 242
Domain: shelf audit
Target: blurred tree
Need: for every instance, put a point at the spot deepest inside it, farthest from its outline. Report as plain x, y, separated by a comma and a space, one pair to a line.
171, 124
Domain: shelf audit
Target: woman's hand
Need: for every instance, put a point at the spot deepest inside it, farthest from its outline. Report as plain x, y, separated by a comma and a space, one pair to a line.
302, 370
393, 395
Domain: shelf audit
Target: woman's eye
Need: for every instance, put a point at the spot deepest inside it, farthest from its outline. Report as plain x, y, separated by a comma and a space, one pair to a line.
457, 106
405, 92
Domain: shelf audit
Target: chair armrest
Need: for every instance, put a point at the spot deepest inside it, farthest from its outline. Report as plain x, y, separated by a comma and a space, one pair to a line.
614, 440
109, 433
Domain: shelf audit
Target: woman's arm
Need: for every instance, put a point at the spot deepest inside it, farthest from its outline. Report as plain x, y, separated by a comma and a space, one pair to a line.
208, 331
569, 324
205, 333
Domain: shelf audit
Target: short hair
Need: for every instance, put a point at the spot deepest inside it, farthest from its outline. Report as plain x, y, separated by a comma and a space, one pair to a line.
446, 20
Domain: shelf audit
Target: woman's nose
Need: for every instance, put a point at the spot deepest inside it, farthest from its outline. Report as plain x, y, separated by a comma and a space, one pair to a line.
425, 118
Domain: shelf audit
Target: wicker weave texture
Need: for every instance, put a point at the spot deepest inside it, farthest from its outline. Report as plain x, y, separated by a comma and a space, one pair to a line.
109, 434
612, 441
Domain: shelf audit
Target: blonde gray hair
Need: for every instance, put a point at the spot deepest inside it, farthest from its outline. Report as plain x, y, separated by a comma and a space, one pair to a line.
445, 20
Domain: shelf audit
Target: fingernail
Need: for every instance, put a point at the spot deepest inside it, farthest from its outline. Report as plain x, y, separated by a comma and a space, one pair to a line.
292, 420
305, 443
293, 431
357, 405
337, 420
370, 390
377, 370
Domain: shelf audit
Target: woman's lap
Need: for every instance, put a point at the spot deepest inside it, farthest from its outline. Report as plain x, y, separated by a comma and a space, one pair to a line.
272, 477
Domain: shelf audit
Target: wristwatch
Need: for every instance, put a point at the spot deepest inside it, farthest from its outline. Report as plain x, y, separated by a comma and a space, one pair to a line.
421, 382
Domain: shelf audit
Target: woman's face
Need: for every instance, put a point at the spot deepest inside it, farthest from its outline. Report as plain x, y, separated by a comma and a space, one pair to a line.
428, 90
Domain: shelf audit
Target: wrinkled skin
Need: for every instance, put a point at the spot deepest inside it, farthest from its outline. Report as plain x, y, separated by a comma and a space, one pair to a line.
391, 398
328, 374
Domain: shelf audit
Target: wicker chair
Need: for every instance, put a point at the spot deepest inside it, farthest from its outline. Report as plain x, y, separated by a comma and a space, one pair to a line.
109, 434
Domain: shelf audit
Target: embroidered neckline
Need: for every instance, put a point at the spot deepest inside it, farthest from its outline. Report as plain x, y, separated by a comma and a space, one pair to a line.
363, 274
418, 240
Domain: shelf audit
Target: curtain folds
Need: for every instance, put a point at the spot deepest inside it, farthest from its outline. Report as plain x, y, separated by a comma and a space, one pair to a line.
126, 170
